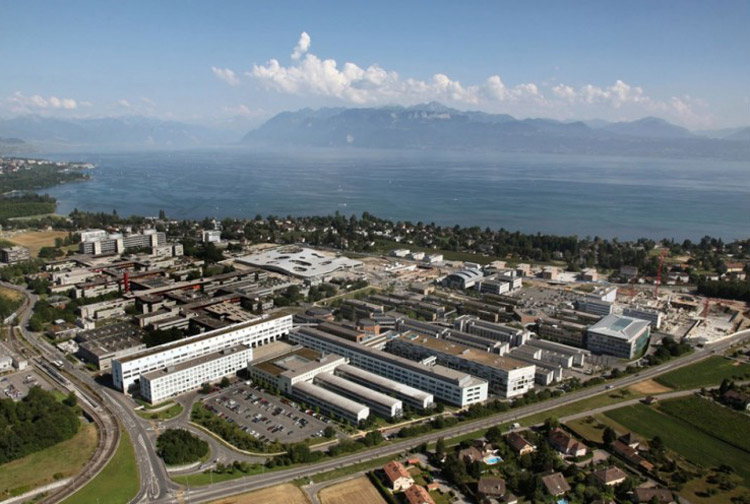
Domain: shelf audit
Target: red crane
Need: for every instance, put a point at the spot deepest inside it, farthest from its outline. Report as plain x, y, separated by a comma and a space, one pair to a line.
658, 273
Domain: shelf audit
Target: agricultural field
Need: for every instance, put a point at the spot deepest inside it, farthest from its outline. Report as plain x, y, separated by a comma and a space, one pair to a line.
35, 240
359, 490
713, 419
281, 494
591, 428
62, 460
649, 387
706, 373
682, 438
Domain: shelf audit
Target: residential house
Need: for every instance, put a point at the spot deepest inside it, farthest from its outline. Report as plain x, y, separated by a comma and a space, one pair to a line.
416, 494
555, 484
631, 455
610, 476
631, 440
491, 487
397, 475
565, 443
645, 495
519, 444
735, 399
470, 454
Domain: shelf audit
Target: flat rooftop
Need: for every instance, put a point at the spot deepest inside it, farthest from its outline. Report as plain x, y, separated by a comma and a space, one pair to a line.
292, 361
464, 352
299, 261
624, 328
329, 397
200, 337
176, 368
386, 383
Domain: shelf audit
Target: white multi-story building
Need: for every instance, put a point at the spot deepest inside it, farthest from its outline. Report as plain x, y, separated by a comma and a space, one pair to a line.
453, 387
498, 332
623, 337
378, 402
174, 380
285, 371
127, 370
507, 377
653, 316
332, 403
211, 236
413, 397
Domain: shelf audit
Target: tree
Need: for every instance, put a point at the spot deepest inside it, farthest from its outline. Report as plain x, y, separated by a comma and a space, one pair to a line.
206, 388
329, 432
224, 383
609, 436
178, 446
440, 447
71, 400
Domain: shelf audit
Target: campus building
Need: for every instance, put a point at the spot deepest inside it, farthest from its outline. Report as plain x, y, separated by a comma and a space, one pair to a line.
450, 386
507, 377
415, 398
378, 402
155, 386
623, 337
127, 370
98, 242
330, 402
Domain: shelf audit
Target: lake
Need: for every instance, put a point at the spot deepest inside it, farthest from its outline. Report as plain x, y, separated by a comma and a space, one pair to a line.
610, 197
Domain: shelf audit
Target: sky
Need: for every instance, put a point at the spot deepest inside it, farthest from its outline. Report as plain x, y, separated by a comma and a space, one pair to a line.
238, 63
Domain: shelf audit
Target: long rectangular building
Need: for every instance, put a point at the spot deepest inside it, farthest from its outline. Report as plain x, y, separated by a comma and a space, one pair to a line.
453, 387
378, 402
409, 395
490, 330
127, 370
332, 403
155, 386
507, 377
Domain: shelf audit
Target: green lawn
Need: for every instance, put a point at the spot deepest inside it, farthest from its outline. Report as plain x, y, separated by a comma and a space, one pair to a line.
200, 479
592, 428
683, 438
713, 419
351, 469
705, 373
63, 459
117, 483
164, 414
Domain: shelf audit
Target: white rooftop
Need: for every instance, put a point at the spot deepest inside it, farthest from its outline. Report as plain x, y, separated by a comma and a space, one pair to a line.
299, 261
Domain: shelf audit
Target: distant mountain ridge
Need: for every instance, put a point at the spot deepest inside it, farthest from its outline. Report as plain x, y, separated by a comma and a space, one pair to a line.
435, 126
129, 131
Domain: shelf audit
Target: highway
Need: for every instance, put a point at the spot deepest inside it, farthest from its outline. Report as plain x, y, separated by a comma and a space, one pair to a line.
224, 489
157, 487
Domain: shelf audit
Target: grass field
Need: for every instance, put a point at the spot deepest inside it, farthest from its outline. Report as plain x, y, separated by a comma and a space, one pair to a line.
713, 419
11, 294
117, 483
683, 438
35, 240
63, 459
359, 490
705, 373
592, 428
350, 469
164, 414
281, 494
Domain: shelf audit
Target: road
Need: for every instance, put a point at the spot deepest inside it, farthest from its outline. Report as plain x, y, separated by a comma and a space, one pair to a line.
157, 487
224, 489
155, 482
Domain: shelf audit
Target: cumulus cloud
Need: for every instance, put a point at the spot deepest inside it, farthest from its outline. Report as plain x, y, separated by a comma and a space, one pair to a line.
226, 75
125, 103
22, 103
310, 75
303, 45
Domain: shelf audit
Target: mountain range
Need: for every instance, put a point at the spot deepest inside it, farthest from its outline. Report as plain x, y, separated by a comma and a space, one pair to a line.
434, 126
425, 126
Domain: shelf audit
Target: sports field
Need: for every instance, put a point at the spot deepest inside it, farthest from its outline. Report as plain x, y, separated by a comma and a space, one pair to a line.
359, 491
706, 373
280, 494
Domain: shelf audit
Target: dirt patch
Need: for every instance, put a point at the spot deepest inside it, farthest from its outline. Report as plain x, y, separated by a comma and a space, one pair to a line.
11, 293
281, 494
35, 240
649, 387
358, 490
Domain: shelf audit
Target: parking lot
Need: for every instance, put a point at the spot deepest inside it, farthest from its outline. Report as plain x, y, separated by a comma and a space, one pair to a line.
16, 385
265, 416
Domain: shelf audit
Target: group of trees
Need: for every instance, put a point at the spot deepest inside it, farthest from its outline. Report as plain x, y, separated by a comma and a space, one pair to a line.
733, 289
178, 446
36, 422
25, 205
8, 305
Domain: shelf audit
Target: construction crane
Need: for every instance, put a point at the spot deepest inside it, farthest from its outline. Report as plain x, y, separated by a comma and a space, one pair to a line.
658, 273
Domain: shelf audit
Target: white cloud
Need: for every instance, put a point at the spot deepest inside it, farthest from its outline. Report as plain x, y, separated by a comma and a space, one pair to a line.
125, 103
303, 45
226, 75
310, 75
25, 104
